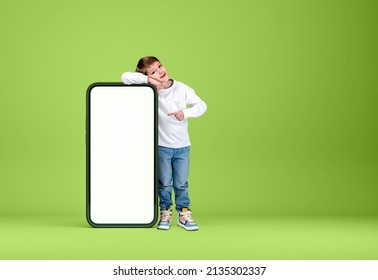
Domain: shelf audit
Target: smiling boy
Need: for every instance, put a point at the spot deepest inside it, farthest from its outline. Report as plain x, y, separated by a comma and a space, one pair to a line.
177, 102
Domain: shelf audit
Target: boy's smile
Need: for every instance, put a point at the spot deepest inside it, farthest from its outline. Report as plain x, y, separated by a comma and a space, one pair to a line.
158, 72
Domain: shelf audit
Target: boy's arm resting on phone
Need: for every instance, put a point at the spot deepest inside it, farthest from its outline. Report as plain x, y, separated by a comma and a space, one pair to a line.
129, 78
197, 107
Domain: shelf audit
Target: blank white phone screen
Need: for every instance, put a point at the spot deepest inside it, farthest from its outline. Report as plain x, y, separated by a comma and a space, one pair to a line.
122, 133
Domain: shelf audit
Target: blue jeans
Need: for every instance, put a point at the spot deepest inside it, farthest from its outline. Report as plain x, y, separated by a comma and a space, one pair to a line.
173, 171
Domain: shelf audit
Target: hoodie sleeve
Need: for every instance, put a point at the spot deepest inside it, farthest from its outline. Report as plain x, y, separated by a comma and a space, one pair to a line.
129, 78
197, 107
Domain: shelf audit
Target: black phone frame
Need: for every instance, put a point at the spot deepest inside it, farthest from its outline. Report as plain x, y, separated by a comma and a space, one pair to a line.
88, 156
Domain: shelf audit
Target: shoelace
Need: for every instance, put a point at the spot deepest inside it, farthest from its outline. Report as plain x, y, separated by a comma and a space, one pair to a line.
187, 216
165, 216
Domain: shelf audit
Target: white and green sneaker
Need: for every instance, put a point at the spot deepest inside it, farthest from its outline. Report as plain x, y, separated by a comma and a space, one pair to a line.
185, 220
165, 219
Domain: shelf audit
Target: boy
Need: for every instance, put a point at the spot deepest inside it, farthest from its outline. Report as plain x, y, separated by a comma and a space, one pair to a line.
173, 140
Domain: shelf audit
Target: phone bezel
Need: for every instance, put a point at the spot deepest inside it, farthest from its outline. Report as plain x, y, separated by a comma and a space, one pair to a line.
88, 156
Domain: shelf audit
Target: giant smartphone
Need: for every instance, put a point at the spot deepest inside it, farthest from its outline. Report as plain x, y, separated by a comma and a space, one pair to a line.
121, 144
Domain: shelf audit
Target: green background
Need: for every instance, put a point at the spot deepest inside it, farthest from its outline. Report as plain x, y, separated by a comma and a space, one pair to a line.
283, 163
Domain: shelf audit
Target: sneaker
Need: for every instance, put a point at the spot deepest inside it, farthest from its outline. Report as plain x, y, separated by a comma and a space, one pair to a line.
185, 221
165, 219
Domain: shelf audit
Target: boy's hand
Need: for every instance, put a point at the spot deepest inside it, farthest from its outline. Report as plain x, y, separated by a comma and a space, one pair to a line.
156, 83
178, 115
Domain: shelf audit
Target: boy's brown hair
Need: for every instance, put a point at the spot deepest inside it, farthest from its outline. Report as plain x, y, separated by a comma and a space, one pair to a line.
144, 62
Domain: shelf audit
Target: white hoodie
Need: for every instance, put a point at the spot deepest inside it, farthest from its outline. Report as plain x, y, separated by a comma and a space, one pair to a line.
172, 133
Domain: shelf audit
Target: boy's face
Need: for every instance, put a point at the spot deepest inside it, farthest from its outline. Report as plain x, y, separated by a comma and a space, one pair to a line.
158, 72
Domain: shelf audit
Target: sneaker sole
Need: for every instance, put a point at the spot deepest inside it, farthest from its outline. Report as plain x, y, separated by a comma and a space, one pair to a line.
188, 228
163, 228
